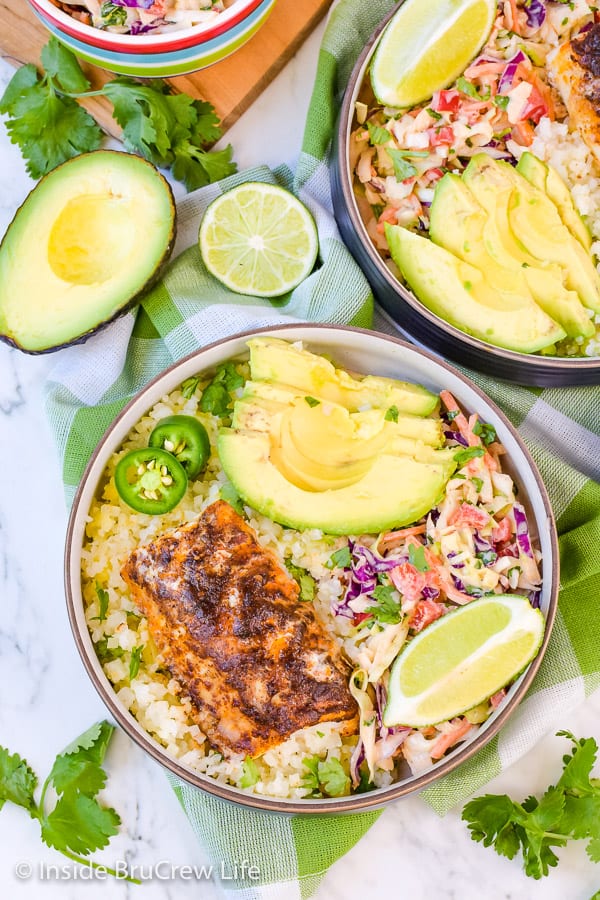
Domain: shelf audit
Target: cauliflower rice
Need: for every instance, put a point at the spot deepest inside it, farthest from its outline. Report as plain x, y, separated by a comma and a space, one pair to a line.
157, 700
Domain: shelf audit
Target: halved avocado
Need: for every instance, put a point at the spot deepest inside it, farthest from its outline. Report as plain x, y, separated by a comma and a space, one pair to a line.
88, 240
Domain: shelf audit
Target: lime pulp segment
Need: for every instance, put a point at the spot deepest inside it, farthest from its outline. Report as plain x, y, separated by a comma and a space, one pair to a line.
426, 46
258, 239
462, 659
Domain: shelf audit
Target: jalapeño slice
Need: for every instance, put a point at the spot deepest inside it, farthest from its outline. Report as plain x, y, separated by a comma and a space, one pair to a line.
186, 438
150, 480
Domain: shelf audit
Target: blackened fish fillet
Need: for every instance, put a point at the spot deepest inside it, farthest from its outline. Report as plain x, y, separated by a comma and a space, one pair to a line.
226, 618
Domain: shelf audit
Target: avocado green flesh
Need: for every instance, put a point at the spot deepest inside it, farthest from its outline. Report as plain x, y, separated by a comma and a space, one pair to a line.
88, 239
545, 178
396, 491
537, 234
275, 360
504, 271
457, 292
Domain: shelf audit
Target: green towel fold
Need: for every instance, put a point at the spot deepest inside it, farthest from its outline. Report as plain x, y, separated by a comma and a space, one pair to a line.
188, 309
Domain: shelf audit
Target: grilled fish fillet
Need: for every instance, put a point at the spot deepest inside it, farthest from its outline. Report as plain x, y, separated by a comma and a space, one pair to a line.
575, 71
224, 614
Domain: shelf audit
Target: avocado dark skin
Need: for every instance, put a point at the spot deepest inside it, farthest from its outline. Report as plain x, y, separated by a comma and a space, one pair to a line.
130, 301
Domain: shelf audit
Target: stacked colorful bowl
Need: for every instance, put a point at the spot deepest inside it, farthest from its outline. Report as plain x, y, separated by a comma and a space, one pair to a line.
157, 55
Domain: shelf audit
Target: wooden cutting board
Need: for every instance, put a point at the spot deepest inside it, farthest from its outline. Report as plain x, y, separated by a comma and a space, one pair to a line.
231, 85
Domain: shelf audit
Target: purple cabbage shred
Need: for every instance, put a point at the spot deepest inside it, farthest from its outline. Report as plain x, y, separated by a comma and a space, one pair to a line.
535, 12
508, 75
522, 530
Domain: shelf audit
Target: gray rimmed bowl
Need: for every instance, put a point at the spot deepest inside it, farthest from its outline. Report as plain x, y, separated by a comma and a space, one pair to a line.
360, 351
411, 316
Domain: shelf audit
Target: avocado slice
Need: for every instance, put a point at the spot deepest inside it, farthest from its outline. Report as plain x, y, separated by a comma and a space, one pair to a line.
276, 360
459, 293
508, 273
535, 224
395, 491
546, 178
88, 240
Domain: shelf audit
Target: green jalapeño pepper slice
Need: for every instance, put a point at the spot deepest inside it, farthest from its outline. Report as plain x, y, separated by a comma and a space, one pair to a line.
186, 438
150, 480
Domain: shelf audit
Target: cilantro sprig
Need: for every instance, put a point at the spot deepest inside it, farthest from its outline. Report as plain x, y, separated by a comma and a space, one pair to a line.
325, 777
304, 580
75, 823
216, 396
170, 130
569, 810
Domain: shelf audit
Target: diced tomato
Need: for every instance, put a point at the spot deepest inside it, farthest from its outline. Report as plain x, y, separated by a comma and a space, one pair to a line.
408, 581
390, 214
523, 133
508, 550
467, 514
424, 613
536, 106
431, 176
450, 738
446, 101
496, 699
360, 617
439, 136
503, 530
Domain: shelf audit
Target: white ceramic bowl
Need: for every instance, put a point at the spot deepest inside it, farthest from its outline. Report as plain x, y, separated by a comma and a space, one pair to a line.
360, 351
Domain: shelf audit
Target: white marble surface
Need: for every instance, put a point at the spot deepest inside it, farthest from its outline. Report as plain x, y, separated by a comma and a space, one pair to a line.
46, 698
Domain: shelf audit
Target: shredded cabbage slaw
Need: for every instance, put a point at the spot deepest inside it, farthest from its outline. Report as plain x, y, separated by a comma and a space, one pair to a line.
143, 16
476, 542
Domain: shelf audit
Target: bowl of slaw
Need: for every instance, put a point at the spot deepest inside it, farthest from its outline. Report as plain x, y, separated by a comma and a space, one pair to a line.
533, 540
153, 38
358, 225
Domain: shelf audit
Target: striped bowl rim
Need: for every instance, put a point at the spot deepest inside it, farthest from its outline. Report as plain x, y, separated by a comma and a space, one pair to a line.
145, 44
174, 62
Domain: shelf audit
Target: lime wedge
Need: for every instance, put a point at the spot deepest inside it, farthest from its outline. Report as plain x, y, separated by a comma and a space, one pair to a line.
258, 239
462, 659
426, 46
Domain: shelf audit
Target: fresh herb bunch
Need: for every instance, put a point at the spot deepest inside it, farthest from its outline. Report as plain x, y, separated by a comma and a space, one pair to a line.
77, 824
568, 811
170, 130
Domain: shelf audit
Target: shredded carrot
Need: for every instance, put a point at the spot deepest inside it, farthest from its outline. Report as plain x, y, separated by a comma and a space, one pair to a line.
514, 16
393, 538
523, 133
449, 738
545, 93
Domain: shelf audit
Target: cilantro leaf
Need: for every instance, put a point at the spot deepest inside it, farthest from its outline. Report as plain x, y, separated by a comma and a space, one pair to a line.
402, 168
216, 396
466, 87
569, 810
391, 414
167, 128
416, 557
325, 777
79, 824
78, 767
304, 580
341, 559
333, 779
312, 401
387, 608
378, 134
105, 653
485, 431
61, 65
134, 662
463, 456
229, 494
50, 129
17, 781
250, 773
23, 79
112, 14
102, 596
188, 387
310, 779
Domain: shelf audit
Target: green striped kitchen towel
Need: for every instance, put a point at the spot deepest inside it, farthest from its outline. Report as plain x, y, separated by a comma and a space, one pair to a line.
187, 309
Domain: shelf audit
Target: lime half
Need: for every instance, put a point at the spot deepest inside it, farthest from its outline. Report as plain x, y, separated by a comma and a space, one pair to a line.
258, 239
426, 46
462, 659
